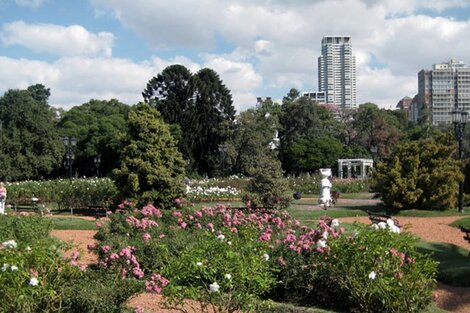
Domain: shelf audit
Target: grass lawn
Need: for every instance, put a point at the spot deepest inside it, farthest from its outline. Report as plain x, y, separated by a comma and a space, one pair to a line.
68, 223
454, 264
465, 222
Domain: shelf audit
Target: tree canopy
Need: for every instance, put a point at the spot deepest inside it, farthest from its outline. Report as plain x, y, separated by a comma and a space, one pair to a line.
97, 125
202, 108
151, 167
30, 144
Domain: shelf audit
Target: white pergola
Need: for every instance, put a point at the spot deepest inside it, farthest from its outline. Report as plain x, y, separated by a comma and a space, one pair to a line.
360, 168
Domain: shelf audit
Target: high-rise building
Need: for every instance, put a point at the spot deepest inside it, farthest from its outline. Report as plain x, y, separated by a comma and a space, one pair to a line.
445, 87
337, 71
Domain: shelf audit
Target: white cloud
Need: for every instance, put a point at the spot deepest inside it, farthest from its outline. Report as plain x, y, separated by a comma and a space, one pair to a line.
268, 46
57, 40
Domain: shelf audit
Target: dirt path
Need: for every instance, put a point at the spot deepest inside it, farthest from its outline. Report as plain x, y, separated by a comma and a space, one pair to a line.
436, 229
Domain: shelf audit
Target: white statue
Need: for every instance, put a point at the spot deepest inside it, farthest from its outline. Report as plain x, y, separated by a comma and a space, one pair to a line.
325, 195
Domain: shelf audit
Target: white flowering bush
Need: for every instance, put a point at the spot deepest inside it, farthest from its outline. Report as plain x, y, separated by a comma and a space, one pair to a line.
209, 193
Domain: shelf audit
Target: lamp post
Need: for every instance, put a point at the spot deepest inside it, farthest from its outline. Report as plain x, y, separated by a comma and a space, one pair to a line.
69, 143
97, 161
374, 150
459, 119
223, 151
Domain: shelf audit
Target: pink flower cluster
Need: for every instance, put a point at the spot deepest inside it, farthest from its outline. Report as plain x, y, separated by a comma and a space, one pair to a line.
124, 259
141, 223
150, 210
156, 283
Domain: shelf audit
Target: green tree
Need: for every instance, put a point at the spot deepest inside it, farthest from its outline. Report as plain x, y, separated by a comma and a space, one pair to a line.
151, 167
31, 147
201, 106
267, 187
376, 127
420, 175
304, 123
311, 153
252, 137
212, 120
97, 125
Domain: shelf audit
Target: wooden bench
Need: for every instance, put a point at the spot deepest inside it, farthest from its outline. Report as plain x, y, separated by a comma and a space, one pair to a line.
376, 218
466, 236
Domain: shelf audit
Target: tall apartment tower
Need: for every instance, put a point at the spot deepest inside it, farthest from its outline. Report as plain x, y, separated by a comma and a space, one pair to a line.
337, 71
444, 88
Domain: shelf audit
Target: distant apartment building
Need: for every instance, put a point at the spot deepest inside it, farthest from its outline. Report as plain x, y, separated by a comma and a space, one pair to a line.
318, 96
337, 72
445, 87
405, 106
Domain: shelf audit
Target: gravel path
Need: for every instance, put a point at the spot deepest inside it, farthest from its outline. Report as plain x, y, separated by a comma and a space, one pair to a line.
436, 229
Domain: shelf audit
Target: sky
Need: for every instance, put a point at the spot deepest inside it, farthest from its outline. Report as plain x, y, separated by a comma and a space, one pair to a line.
103, 49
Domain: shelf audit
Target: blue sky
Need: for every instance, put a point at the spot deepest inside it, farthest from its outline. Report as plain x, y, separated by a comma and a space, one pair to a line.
104, 49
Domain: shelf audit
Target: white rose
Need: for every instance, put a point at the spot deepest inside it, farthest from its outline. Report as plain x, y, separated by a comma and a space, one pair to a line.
34, 281
372, 275
334, 223
214, 287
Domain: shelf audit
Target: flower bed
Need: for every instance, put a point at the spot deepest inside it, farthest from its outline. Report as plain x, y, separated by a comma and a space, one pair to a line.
66, 193
231, 259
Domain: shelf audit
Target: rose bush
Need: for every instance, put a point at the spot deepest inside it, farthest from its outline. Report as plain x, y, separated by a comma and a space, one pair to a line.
231, 259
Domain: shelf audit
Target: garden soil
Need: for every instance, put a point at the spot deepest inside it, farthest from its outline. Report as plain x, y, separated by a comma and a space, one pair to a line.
435, 229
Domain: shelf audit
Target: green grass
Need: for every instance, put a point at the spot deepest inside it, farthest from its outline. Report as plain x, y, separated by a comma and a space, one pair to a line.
465, 222
290, 308
454, 264
64, 223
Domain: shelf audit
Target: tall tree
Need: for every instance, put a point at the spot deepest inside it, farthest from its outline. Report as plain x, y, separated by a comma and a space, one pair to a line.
30, 146
253, 134
303, 123
199, 106
213, 118
151, 167
97, 125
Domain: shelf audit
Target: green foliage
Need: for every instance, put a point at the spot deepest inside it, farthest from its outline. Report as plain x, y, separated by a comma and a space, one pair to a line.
267, 188
306, 127
252, 136
370, 271
101, 292
375, 127
420, 175
30, 277
311, 184
309, 154
464, 222
75, 193
97, 125
152, 169
202, 107
238, 268
30, 146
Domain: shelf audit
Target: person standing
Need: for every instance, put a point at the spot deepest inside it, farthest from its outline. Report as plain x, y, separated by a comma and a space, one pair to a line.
3, 198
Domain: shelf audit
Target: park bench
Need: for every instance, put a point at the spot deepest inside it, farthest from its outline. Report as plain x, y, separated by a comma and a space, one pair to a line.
25, 207
466, 236
97, 210
376, 218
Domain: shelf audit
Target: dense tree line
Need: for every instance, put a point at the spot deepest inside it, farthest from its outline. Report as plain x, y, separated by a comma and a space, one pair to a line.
198, 110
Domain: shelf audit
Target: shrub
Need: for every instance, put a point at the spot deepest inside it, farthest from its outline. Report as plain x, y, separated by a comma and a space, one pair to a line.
267, 188
420, 175
33, 275
370, 271
230, 259
152, 168
65, 192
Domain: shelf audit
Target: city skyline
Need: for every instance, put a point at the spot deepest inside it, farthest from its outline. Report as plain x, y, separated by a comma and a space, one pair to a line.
106, 49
